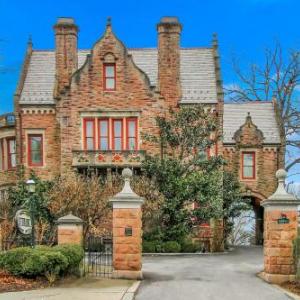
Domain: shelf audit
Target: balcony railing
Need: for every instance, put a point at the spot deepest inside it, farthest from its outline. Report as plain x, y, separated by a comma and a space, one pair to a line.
108, 158
7, 120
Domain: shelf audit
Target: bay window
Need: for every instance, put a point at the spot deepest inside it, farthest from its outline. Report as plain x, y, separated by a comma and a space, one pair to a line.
248, 165
35, 150
116, 134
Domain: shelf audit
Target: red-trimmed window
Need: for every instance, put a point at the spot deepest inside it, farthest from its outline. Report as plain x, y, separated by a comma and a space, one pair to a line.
117, 134
103, 134
35, 150
131, 134
11, 153
248, 165
89, 134
109, 72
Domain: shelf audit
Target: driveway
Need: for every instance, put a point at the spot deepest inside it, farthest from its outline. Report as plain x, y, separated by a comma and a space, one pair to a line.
209, 277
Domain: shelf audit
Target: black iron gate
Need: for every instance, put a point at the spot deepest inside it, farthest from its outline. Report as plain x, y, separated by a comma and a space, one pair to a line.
98, 256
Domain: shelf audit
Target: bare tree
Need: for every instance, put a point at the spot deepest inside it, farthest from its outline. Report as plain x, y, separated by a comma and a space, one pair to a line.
277, 79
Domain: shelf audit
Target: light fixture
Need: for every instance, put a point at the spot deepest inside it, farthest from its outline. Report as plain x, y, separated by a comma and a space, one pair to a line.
30, 186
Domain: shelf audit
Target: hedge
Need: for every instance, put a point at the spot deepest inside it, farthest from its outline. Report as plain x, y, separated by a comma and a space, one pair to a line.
42, 261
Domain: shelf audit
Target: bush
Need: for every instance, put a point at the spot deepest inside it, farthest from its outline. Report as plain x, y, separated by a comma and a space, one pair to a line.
189, 247
149, 247
171, 247
42, 261
73, 253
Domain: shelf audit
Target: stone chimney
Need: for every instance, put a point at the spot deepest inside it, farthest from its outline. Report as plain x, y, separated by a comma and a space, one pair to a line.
169, 30
65, 51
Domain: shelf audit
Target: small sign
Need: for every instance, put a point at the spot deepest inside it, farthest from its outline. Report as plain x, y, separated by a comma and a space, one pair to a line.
23, 221
128, 231
283, 219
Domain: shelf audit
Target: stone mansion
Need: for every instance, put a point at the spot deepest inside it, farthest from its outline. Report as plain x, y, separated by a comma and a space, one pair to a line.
86, 108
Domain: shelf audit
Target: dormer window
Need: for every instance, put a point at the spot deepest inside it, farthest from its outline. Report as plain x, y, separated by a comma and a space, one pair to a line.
109, 74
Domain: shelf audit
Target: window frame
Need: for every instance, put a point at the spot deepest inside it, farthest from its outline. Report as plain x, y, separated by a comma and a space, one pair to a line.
2, 168
105, 77
130, 119
9, 165
85, 120
253, 154
99, 120
30, 163
113, 134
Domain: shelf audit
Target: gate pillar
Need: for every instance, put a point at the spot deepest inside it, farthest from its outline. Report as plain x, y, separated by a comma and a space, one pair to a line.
280, 230
69, 230
127, 231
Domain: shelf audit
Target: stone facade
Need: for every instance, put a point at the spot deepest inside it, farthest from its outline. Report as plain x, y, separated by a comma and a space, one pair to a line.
280, 230
59, 89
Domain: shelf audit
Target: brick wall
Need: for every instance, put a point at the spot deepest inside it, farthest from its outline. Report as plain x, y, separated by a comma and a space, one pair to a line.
86, 94
249, 138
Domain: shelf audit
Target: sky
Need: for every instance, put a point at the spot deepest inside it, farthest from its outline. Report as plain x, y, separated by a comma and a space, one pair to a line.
245, 28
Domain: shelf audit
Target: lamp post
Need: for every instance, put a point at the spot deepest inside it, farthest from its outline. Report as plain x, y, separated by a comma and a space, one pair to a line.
31, 190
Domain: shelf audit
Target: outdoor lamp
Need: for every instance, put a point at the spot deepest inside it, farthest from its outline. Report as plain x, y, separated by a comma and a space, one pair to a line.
30, 186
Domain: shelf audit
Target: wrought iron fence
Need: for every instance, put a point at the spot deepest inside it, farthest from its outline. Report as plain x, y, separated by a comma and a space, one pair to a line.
98, 259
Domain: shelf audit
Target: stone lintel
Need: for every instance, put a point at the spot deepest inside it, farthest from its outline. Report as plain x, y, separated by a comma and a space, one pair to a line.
127, 203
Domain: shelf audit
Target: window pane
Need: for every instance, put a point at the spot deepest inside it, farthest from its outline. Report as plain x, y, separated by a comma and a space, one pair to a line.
89, 129
248, 159
13, 160
109, 71
103, 128
36, 157
131, 144
110, 83
89, 144
103, 143
118, 144
131, 128
12, 146
36, 143
117, 128
248, 172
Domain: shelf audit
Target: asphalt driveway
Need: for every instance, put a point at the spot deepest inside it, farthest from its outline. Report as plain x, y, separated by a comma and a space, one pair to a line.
209, 277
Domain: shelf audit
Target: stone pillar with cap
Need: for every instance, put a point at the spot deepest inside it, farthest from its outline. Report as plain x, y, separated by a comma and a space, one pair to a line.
280, 230
69, 230
127, 231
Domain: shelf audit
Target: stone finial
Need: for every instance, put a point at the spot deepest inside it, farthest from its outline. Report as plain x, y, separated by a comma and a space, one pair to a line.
127, 196
281, 196
69, 219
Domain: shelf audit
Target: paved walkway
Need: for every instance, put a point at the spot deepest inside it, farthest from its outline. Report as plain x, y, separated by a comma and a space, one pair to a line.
209, 277
82, 289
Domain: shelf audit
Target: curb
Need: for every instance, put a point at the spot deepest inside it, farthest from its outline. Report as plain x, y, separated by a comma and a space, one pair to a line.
288, 293
131, 291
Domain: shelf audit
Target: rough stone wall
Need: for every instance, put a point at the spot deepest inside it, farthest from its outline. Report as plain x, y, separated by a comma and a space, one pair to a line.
278, 244
127, 249
87, 94
42, 121
249, 138
169, 60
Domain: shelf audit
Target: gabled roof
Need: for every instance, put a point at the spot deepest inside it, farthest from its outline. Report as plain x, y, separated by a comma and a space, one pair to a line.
197, 72
262, 114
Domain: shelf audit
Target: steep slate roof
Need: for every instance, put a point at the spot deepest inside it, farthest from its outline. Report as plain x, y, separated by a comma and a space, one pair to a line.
197, 70
263, 116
